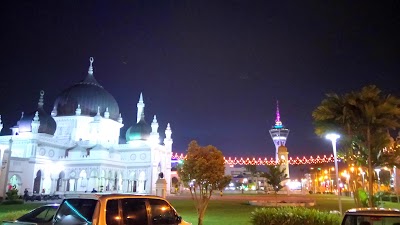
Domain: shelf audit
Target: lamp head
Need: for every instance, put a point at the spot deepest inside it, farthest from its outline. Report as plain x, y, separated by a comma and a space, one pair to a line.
332, 136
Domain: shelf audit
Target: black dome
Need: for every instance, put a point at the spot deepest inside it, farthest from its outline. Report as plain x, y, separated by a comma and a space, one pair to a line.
47, 123
139, 131
90, 95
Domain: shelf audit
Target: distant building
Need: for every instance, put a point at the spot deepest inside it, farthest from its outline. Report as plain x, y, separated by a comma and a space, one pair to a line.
77, 147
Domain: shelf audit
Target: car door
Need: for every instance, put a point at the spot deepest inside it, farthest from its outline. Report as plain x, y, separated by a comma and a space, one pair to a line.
134, 211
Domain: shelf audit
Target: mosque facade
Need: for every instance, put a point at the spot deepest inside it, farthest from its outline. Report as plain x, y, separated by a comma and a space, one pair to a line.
77, 147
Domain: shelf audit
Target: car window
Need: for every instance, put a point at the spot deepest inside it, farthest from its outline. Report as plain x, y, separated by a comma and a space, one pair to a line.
74, 211
47, 214
134, 211
162, 213
112, 214
39, 215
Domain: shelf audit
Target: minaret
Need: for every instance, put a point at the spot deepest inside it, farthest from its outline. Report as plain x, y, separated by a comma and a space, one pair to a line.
154, 135
168, 140
140, 108
278, 133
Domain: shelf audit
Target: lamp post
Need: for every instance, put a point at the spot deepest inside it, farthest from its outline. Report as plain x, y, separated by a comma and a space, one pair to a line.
333, 138
363, 179
377, 170
395, 183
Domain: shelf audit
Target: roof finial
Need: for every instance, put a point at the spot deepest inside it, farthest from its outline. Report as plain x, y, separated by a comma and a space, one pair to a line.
78, 110
107, 114
91, 60
54, 111
36, 118
22, 116
40, 104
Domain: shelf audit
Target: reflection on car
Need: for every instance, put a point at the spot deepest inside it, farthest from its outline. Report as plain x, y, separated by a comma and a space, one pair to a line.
371, 216
42, 215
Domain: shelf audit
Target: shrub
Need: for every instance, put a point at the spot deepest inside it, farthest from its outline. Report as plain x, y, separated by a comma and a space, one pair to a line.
13, 215
293, 216
12, 194
12, 202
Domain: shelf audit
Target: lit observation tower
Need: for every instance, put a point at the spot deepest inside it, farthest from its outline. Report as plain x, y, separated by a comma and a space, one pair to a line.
279, 136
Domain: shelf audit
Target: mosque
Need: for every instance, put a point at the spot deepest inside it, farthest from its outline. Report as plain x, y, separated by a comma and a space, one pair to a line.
77, 147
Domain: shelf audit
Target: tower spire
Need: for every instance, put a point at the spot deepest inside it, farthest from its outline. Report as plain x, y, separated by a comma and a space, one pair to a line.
278, 122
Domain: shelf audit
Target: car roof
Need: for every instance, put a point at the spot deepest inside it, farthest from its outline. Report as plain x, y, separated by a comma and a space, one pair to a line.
374, 211
105, 196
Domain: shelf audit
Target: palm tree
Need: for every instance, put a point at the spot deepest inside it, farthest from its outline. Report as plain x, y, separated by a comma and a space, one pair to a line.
364, 117
275, 176
375, 114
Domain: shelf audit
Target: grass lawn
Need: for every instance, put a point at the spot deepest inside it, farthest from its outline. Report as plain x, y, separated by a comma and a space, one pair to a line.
226, 210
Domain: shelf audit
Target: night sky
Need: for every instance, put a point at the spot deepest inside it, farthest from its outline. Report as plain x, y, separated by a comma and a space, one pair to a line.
213, 69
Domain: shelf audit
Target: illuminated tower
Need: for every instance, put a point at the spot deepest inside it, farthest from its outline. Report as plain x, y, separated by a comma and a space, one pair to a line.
279, 136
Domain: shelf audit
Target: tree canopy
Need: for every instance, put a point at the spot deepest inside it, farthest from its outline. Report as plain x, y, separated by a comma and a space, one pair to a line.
363, 119
203, 171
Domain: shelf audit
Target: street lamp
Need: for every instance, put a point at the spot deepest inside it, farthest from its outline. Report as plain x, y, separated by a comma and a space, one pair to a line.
395, 182
377, 170
363, 179
333, 138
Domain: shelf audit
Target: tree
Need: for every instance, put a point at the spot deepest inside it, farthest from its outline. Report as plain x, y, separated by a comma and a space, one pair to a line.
275, 176
363, 118
203, 171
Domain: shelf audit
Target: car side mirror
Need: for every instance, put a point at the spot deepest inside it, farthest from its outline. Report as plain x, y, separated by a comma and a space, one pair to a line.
179, 219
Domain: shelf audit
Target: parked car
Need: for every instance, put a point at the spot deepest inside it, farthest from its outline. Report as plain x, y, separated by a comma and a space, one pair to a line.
116, 209
371, 216
42, 215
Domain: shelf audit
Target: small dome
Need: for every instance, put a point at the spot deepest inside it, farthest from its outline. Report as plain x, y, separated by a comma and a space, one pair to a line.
90, 95
282, 149
47, 123
139, 131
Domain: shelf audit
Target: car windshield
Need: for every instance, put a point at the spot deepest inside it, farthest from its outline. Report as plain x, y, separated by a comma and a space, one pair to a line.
40, 214
371, 220
75, 211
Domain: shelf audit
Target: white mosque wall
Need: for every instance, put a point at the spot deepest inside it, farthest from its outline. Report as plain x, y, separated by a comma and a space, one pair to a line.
83, 128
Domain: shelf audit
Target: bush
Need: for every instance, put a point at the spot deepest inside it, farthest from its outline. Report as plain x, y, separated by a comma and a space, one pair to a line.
293, 216
12, 194
10, 216
12, 202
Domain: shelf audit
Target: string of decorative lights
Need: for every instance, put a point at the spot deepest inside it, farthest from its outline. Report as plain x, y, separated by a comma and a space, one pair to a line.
265, 161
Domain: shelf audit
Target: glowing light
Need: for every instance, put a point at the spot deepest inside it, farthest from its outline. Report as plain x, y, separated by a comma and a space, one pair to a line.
232, 161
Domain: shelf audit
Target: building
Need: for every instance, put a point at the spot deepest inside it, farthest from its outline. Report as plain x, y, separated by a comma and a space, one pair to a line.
279, 135
77, 147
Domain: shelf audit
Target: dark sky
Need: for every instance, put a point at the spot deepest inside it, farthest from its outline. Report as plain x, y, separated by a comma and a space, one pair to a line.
213, 69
